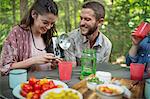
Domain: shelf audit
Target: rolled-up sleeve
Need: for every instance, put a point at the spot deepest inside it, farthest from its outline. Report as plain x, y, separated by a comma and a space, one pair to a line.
130, 59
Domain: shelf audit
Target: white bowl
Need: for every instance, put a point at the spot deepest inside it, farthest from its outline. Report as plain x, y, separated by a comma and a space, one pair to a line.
104, 76
58, 90
104, 95
91, 85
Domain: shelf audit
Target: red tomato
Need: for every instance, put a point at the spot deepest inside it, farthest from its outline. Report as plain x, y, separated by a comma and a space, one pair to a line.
45, 87
51, 84
37, 87
38, 92
32, 81
23, 93
42, 91
57, 87
27, 88
35, 96
108, 91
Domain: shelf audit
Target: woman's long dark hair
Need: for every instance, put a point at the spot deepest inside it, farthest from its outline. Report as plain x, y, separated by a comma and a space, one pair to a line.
41, 7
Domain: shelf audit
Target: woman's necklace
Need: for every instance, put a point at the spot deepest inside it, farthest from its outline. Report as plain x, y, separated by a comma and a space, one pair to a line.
34, 42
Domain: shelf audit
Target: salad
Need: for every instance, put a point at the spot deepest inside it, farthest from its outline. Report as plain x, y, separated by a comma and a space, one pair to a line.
95, 80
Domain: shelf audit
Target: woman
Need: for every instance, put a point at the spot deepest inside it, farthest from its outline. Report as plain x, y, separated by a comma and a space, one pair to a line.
28, 44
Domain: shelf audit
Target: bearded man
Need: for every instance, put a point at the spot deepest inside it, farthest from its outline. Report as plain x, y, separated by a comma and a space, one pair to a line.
88, 35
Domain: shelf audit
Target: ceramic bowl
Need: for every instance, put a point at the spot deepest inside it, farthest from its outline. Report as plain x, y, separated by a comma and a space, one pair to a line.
92, 85
115, 92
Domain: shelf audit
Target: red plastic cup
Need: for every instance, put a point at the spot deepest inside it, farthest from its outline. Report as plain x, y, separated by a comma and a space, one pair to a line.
142, 30
65, 70
136, 71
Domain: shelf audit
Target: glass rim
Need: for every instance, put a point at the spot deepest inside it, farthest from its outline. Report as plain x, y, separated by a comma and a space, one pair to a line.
17, 71
89, 50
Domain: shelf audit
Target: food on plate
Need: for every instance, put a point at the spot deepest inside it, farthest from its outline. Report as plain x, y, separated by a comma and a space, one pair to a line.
109, 90
64, 94
35, 87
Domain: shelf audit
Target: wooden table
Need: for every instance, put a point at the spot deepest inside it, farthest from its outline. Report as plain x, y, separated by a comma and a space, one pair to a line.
136, 87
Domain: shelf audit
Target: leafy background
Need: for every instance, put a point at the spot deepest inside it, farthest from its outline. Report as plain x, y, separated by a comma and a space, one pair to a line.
122, 16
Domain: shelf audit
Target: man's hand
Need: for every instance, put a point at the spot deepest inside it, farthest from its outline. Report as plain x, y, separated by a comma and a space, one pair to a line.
135, 40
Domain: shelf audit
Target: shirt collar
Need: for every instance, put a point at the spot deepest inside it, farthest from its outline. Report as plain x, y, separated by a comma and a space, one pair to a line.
99, 40
85, 39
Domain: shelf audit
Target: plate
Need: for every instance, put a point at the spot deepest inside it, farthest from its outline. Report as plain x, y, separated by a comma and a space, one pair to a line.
117, 89
58, 90
17, 89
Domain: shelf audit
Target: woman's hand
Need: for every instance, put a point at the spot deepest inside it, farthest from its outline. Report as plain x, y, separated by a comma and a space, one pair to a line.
55, 62
43, 58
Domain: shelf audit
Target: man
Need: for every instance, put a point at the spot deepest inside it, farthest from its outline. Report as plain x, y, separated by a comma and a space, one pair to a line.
88, 35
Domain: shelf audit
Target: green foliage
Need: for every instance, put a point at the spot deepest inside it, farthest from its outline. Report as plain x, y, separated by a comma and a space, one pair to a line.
122, 16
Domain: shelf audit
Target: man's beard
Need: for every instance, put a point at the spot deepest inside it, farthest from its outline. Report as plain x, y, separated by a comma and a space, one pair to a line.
91, 30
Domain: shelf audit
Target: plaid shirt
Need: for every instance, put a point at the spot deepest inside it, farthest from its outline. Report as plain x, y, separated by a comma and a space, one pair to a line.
102, 46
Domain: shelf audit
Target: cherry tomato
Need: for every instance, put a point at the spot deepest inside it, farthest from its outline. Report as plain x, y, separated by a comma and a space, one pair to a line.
38, 92
51, 84
37, 87
45, 87
42, 91
108, 91
23, 93
36, 96
27, 88
32, 81
34, 88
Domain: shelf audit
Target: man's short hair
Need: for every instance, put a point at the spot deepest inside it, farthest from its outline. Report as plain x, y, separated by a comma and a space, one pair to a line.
97, 7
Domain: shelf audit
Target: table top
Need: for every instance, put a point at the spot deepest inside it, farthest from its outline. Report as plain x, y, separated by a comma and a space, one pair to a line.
115, 70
